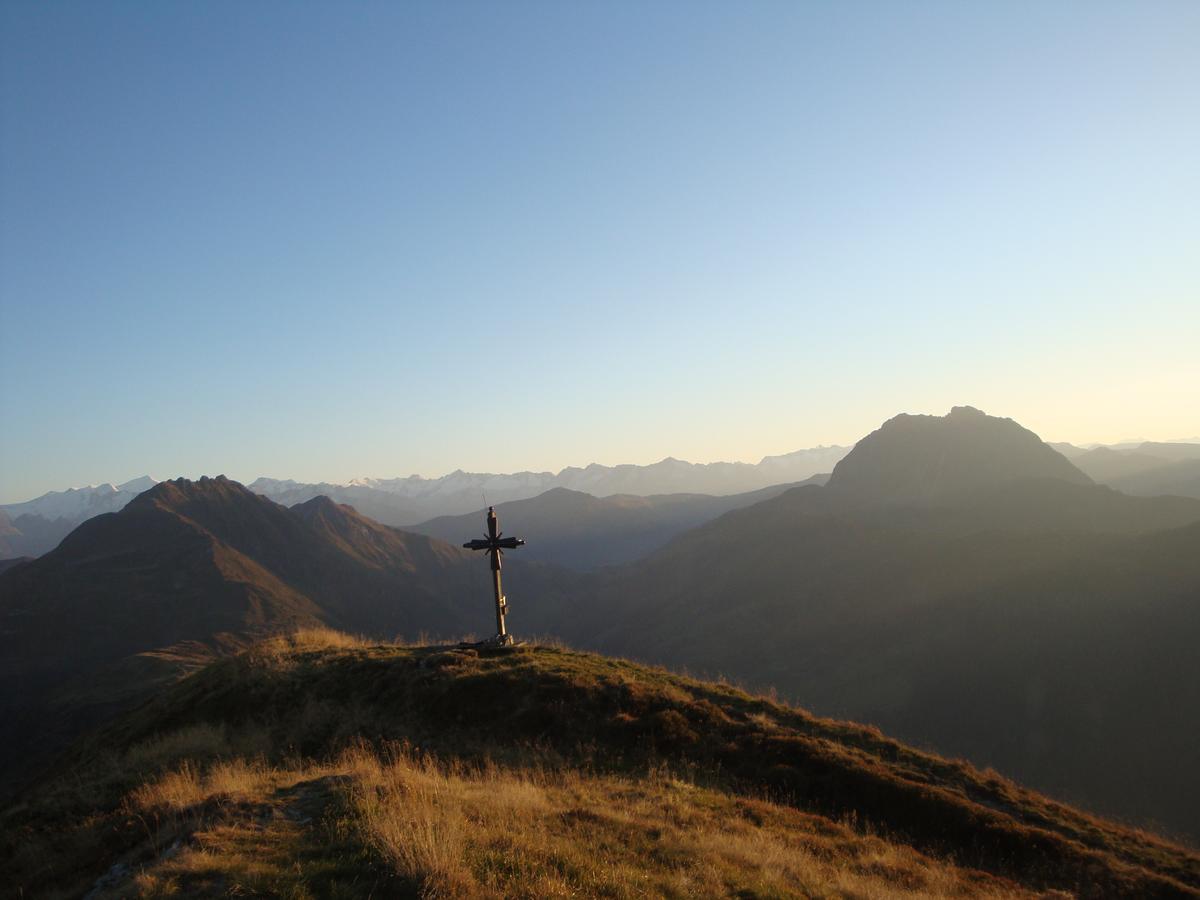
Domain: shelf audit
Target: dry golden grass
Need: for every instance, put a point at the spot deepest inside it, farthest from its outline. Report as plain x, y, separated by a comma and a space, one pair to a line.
442, 829
281, 650
200, 741
184, 787
546, 773
454, 832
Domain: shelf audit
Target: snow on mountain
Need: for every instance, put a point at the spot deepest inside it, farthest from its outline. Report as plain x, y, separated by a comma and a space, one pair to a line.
81, 503
39, 524
412, 500
135, 486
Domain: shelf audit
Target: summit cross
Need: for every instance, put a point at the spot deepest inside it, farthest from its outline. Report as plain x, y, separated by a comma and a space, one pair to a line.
495, 544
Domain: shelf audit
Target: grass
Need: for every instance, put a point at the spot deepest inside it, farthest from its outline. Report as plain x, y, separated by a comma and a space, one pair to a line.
392, 821
323, 765
454, 831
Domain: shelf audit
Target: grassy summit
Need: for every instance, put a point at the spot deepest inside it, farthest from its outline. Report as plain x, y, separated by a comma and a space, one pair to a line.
318, 765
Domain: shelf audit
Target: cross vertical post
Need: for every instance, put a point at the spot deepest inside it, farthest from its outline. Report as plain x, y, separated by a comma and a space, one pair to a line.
495, 544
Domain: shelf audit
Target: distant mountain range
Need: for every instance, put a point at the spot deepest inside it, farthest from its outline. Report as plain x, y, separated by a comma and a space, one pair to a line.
580, 531
36, 526
409, 501
1148, 469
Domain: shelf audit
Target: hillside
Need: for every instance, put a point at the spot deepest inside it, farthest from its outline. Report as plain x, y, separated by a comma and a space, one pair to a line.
1181, 478
583, 532
1042, 626
10, 537
210, 564
6, 564
1148, 469
1103, 464
31, 535
320, 765
189, 560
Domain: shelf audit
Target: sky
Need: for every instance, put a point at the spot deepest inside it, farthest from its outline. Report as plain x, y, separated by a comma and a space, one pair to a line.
326, 240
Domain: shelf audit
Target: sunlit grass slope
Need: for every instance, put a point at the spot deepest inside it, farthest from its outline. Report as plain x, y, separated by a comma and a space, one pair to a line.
318, 765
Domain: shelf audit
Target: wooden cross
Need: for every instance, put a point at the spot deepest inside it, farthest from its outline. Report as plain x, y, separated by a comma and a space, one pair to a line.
495, 544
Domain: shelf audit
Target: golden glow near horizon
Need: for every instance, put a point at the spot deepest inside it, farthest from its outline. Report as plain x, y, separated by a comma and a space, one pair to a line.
775, 229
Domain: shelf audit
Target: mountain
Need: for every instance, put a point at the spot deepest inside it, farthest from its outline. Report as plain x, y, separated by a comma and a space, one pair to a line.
1174, 452
1103, 464
405, 502
1180, 478
1045, 626
672, 476
32, 535
1148, 469
10, 537
209, 564
580, 531
917, 457
38, 525
1110, 463
320, 765
80, 503
956, 581
6, 564
1070, 451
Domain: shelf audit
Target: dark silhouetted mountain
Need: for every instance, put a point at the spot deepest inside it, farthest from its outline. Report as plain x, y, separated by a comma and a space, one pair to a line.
9, 535
6, 564
919, 457
580, 531
1042, 625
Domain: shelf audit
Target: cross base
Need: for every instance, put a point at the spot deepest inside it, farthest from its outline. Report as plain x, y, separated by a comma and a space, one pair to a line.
495, 642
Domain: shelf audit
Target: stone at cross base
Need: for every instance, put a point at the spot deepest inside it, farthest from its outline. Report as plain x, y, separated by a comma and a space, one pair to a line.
495, 544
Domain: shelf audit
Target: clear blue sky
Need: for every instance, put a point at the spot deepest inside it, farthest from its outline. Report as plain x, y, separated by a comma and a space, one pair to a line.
324, 240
